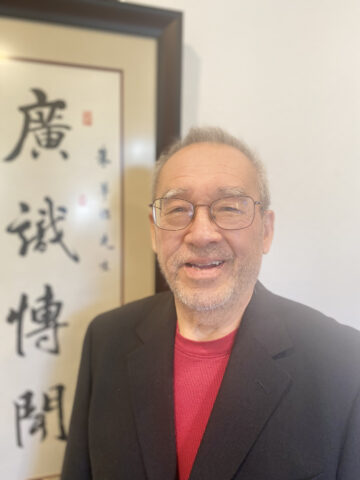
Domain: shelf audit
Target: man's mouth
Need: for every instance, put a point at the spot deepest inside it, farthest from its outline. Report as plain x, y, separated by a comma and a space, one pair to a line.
205, 266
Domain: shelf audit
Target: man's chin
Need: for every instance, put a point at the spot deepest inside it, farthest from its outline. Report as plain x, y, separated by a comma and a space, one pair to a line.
203, 301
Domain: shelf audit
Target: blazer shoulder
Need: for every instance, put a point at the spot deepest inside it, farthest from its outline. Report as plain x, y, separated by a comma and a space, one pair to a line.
121, 329
129, 315
314, 329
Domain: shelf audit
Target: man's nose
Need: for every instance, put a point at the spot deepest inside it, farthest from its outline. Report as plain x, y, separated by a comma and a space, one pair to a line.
202, 229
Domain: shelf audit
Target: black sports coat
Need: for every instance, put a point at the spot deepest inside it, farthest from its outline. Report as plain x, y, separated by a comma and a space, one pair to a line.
288, 407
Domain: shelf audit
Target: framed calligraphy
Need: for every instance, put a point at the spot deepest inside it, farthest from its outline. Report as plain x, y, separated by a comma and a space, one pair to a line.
89, 95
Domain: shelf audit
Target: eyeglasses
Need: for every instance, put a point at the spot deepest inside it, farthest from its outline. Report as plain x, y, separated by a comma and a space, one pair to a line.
229, 213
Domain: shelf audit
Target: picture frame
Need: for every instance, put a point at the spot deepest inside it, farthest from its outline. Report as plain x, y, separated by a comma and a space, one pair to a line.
164, 26
139, 49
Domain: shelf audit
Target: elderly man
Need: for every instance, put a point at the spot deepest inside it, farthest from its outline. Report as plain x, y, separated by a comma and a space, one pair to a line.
219, 379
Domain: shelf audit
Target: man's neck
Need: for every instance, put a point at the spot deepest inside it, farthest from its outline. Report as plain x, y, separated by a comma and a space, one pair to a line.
211, 324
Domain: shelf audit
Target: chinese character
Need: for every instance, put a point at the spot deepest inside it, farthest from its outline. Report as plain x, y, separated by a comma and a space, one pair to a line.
104, 190
44, 232
25, 411
104, 266
104, 242
105, 213
40, 119
45, 316
102, 157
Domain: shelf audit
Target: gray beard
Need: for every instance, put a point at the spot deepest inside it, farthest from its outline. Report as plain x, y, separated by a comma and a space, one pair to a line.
199, 302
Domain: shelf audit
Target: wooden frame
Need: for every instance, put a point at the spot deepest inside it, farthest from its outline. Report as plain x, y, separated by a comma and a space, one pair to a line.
165, 26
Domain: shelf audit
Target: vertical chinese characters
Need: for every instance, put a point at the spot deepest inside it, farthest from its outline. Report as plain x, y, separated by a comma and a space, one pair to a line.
104, 161
60, 222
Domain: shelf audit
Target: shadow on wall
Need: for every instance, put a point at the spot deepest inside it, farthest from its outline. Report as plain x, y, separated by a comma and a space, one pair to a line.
191, 87
139, 259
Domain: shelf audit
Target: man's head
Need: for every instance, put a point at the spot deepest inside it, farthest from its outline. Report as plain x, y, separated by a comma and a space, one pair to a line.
209, 267
215, 135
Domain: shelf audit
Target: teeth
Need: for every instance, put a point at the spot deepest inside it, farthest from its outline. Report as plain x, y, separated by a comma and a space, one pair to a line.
206, 265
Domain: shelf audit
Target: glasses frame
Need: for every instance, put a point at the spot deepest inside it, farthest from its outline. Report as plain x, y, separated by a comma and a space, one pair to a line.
209, 206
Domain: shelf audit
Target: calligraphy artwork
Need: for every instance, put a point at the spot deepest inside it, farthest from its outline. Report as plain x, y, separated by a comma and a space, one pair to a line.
105, 212
102, 157
43, 232
44, 320
32, 417
42, 121
60, 233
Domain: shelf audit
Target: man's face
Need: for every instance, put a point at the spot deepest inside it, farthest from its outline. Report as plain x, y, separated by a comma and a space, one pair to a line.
206, 266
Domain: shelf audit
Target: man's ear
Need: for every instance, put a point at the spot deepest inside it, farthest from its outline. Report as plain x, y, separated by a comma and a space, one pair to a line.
152, 232
268, 230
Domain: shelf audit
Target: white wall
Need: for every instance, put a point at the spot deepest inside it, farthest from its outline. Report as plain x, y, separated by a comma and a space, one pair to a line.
285, 76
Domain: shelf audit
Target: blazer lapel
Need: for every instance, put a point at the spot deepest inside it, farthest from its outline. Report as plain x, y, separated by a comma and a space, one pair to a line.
251, 390
150, 370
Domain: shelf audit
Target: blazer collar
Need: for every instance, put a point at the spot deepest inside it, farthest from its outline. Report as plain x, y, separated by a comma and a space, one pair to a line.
150, 369
251, 390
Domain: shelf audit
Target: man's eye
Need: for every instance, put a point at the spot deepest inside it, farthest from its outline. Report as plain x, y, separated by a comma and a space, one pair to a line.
176, 210
230, 209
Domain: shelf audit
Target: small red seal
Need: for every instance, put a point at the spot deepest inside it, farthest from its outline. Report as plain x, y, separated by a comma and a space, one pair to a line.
87, 117
82, 199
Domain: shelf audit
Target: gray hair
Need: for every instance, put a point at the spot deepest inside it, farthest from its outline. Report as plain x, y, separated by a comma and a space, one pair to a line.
219, 136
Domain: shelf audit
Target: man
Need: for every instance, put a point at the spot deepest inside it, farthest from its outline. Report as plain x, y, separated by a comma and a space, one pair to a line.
219, 379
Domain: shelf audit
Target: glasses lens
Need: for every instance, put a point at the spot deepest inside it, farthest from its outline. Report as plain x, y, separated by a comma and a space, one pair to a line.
233, 213
172, 213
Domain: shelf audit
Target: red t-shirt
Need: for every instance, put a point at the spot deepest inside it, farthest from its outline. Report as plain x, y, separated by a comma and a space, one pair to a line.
198, 371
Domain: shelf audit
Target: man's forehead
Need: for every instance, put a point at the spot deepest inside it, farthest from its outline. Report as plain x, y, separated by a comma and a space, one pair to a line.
223, 168
208, 147
222, 191
207, 157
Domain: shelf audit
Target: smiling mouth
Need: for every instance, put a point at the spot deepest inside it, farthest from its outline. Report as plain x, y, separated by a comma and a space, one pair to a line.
205, 266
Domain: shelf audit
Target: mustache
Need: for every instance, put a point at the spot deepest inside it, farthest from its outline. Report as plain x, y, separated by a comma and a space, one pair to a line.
210, 252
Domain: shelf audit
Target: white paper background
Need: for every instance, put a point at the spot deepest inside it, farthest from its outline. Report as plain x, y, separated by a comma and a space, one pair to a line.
83, 287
